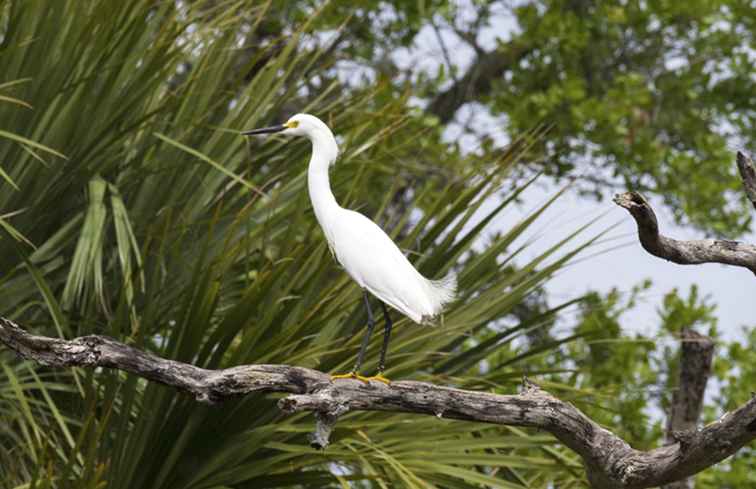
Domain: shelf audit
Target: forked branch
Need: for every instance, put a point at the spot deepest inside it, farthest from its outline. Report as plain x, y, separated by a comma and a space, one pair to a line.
610, 462
697, 353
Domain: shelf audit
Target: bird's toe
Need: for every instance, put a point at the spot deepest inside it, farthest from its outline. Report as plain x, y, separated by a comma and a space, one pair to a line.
351, 375
379, 378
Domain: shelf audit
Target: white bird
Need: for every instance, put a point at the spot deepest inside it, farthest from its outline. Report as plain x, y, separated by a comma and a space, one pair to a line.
365, 251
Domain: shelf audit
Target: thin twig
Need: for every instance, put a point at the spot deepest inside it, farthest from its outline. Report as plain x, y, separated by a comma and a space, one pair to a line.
444, 51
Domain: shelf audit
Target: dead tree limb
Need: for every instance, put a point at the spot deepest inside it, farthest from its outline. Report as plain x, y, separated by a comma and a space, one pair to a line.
748, 174
696, 354
691, 252
610, 462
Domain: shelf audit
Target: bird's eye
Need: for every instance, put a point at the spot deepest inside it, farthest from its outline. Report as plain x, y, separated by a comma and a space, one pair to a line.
292, 124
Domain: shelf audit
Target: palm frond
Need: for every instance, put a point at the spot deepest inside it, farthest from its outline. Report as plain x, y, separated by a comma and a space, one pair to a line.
164, 228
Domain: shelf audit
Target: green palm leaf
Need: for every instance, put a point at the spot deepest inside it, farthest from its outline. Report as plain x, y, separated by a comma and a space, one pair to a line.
166, 229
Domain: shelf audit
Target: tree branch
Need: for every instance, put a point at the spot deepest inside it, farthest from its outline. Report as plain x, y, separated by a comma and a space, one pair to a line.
478, 80
610, 462
690, 252
748, 175
697, 352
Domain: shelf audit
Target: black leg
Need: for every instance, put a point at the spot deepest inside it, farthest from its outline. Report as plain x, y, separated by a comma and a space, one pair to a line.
366, 340
386, 336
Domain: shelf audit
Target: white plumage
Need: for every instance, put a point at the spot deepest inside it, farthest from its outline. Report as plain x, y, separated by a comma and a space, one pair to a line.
377, 264
365, 251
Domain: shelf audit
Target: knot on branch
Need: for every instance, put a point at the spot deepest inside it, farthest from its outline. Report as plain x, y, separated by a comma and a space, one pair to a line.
85, 350
529, 387
641, 210
324, 424
684, 438
630, 200
327, 406
206, 397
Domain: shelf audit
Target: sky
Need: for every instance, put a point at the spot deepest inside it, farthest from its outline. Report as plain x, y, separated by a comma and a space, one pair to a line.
730, 288
626, 263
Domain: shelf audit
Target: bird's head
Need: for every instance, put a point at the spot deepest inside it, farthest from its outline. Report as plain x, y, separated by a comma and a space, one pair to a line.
297, 125
323, 142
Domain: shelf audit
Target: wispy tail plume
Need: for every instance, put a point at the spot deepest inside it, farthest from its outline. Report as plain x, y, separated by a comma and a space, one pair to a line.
441, 292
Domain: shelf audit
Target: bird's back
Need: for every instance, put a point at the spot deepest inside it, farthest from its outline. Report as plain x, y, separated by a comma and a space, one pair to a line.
374, 261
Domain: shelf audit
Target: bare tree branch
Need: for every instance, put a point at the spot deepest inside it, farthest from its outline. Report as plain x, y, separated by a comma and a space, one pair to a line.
748, 175
690, 252
697, 352
610, 462
477, 81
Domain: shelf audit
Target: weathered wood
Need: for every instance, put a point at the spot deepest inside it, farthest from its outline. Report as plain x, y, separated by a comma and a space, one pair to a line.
610, 462
748, 175
696, 355
691, 252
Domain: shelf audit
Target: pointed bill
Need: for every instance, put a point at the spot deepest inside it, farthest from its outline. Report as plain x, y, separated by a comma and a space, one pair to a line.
265, 130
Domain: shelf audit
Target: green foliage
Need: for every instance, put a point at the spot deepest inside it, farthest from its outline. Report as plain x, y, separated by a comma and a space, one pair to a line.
693, 312
134, 209
653, 96
630, 379
617, 368
650, 92
35, 426
735, 371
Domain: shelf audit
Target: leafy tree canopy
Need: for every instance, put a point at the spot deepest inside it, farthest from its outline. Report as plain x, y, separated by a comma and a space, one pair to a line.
648, 95
131, 207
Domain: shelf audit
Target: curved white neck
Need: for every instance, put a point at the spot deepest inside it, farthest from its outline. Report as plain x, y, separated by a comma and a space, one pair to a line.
324, 153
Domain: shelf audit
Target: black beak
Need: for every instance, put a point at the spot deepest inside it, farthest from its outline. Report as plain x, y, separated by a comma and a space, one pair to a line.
265, 130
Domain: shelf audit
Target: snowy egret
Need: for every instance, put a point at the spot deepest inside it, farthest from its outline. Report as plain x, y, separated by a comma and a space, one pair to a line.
365, 251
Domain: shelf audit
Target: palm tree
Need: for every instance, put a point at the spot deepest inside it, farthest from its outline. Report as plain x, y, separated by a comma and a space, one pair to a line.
132, 208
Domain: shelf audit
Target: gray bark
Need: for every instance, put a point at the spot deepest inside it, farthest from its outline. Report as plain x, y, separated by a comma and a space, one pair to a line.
610, 462
696, 354
748, 174
696, 251
691, 252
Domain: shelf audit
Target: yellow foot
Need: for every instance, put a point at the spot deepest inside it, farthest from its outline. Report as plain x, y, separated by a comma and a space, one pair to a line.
379, 378
351, 375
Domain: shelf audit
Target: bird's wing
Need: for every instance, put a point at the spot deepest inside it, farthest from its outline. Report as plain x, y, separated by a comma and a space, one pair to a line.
376, 263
